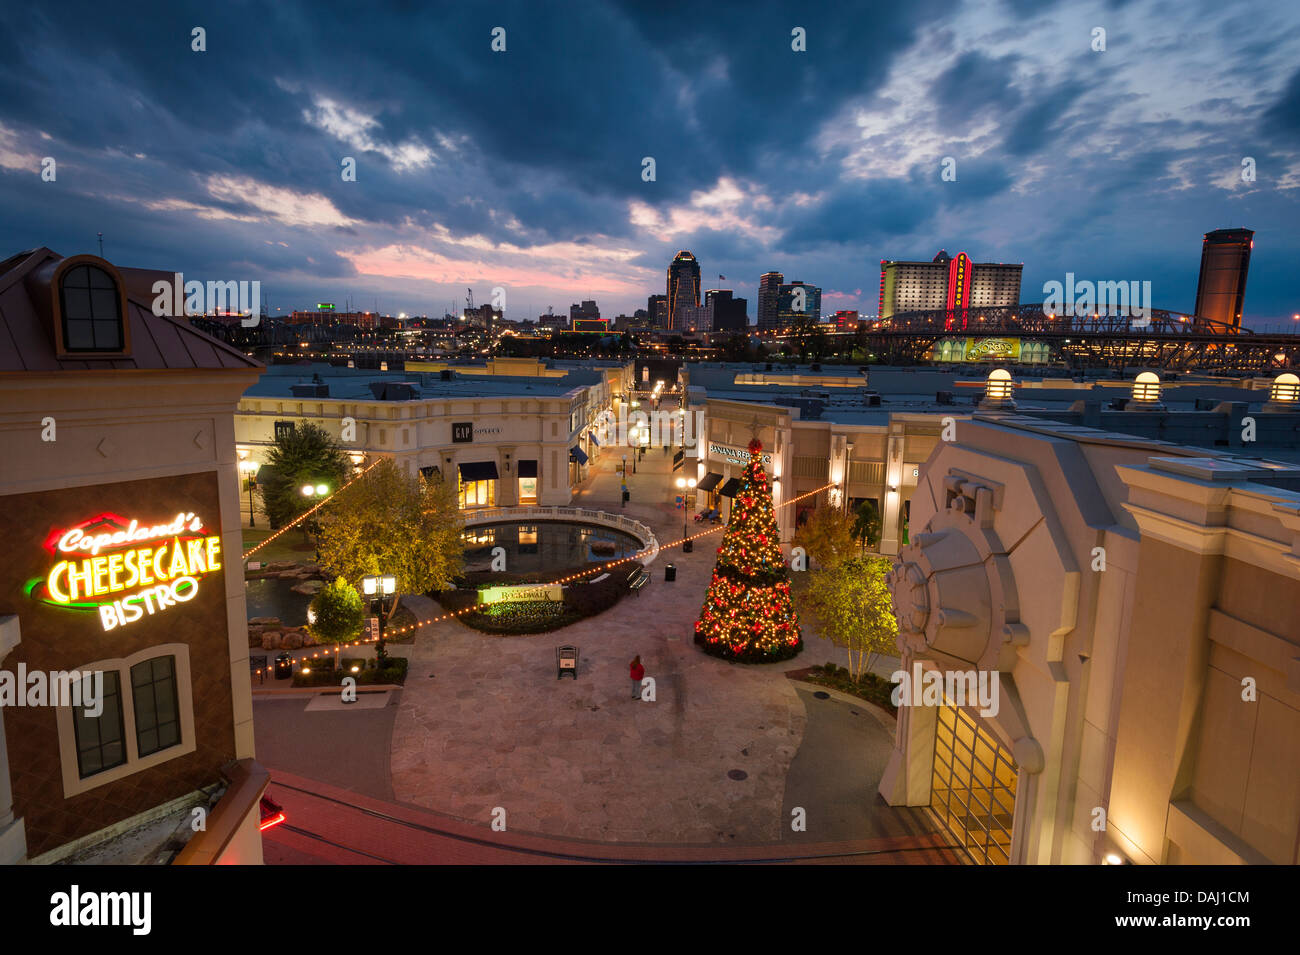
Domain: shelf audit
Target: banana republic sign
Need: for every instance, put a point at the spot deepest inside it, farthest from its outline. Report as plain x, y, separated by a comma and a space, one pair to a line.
736, 455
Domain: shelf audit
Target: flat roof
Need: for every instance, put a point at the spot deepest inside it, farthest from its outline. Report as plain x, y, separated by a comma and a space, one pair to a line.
353, 384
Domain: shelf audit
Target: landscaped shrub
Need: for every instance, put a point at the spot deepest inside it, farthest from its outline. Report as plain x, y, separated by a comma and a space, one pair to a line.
322, 674
581, 600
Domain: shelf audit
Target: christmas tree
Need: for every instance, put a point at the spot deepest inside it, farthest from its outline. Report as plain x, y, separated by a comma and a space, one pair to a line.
748, 615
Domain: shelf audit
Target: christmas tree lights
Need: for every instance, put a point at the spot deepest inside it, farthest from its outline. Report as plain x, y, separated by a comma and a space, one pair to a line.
748, 615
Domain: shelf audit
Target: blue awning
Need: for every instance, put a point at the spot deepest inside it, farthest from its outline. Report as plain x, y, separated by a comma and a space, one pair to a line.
592, 435
577, 454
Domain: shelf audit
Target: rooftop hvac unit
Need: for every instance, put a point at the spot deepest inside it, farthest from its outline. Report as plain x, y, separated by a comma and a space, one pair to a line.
309, 389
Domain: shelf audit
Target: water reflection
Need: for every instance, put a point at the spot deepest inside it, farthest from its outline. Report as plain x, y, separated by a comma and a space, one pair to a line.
545, 546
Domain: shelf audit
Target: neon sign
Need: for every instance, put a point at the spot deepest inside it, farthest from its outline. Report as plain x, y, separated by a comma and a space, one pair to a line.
126, 570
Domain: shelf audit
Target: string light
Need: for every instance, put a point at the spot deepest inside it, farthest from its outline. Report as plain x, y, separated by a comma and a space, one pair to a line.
306, 514
453, 614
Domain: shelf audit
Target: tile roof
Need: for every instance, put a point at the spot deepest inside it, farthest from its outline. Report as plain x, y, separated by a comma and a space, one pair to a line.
157, 342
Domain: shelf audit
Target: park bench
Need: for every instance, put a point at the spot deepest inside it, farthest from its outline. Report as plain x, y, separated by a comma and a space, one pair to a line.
636, 579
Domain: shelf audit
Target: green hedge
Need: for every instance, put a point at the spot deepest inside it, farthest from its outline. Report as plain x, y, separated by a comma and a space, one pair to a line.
581, 600
323, 672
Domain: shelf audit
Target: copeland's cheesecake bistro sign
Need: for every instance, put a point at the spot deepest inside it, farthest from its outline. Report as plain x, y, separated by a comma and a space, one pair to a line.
124, 569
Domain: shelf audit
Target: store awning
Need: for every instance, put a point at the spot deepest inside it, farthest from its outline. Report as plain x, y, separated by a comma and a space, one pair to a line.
730, 488
577, 454
528, 469
431, 472
478, 471
711, 480
592, 435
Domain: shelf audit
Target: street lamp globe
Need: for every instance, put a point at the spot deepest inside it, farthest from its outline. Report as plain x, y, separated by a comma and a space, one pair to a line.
322, 489
308, 490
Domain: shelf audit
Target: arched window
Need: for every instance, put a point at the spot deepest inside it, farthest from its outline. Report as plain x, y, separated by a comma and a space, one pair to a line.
91, 307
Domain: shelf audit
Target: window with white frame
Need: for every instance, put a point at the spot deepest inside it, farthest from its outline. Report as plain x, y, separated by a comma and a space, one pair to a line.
145, 717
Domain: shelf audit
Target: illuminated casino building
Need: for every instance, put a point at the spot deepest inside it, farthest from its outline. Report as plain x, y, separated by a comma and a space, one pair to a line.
683, 287
122, 559
1221, 289
947, 283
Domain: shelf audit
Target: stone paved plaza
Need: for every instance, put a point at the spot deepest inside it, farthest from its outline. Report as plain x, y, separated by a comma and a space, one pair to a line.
483, 722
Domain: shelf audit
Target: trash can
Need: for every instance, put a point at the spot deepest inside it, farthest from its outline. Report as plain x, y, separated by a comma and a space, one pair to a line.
670, 571
626, 496
283, 666
688, 545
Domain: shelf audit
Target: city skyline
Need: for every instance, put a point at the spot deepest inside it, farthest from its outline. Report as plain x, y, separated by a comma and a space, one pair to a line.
817, 164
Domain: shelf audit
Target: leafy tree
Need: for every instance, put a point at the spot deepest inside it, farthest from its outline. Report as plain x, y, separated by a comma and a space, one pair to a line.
339, 614
391, 522
866, 524
827, 536
852, 602
305, 455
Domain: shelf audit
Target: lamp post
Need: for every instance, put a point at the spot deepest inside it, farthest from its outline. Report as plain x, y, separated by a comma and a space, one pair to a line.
687, 487
310, 491
250, 469
379, 589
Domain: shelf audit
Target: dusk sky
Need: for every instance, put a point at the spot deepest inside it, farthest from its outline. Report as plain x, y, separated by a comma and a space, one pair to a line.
523, 169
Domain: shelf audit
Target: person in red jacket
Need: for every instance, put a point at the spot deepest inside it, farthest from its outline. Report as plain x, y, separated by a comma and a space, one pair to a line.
637, 673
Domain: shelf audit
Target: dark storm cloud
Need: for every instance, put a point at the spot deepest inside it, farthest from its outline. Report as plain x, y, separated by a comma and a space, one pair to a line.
972, 86
228, 160
1283, 117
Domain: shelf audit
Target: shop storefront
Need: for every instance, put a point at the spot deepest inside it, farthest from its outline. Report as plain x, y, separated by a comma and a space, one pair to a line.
528, 482
478, 484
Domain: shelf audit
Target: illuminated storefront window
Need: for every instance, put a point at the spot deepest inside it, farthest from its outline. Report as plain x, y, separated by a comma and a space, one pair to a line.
528, 490
973, 791
478, 494
478, 484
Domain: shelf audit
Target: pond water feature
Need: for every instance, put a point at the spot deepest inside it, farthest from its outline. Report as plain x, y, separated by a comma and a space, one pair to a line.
272, 597
545, 545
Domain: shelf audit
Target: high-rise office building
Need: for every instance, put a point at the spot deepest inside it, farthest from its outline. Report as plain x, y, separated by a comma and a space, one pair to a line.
1221, 289
694, 318
798, 303
657, 307
730, 314
683, 285
586, 309
769, 289
946, 283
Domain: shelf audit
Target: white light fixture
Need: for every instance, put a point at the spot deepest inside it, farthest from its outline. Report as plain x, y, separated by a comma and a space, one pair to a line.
1286, 387
1146, 387
308, 490
369, 585
322, 490
997, 391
